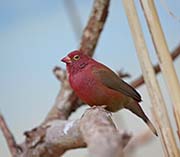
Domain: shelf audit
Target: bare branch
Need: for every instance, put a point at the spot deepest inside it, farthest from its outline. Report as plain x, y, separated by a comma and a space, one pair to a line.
52, 139
8, 136
140, 80
95, 128
59, 73
65, 103
123, 74
94, 27
101, 135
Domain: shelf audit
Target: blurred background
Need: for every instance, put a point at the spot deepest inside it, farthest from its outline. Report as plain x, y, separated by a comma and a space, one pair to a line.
36, 34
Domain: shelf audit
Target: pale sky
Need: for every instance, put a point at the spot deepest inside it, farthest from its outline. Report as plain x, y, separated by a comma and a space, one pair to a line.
35, 34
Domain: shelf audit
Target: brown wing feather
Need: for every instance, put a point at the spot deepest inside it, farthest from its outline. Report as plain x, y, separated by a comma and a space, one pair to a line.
111, 80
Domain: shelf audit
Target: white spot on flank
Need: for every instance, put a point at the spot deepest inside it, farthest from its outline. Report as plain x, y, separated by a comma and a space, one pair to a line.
67, 127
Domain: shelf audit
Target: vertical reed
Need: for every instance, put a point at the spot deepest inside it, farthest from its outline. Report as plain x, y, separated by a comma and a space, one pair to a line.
164, 56
158, 103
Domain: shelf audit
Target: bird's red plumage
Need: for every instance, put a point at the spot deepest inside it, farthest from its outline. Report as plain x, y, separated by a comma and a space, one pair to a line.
91, 90
97, 85
89, 87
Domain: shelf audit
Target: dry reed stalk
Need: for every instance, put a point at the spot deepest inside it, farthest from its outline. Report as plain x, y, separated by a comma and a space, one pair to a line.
164, 56
158, 103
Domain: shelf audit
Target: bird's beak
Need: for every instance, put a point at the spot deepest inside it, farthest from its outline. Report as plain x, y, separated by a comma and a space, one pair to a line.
66, 59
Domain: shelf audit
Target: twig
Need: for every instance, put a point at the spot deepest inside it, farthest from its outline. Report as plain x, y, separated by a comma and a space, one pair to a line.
140, 80
59, 73
8, 136
122, 74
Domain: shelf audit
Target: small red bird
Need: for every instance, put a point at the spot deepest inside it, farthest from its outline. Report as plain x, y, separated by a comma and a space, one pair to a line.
97, 85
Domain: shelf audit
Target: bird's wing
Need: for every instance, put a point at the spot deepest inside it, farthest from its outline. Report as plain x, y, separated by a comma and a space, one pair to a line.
111, 80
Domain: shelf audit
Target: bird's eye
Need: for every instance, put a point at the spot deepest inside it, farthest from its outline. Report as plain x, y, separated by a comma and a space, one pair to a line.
76, 57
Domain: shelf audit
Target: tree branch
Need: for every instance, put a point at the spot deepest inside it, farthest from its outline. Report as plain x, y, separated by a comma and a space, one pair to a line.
93, 129
59, 73
101, 135
8, 136
52, 139
94, 27
123, 74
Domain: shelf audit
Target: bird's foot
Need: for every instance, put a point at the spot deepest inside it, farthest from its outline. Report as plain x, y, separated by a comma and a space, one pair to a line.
104, 107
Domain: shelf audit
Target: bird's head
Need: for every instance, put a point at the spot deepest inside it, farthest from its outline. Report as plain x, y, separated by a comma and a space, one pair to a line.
76, 60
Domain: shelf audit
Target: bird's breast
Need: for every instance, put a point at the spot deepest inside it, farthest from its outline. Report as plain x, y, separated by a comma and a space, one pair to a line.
84, 86
93, 92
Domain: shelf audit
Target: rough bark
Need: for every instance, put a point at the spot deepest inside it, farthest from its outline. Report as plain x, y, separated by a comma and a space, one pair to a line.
93, 129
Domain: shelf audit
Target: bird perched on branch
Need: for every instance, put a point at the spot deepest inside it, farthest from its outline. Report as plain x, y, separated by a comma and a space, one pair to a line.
97, 85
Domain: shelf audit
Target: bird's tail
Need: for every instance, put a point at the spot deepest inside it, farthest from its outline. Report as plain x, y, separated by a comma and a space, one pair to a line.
136, 109
151, 126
